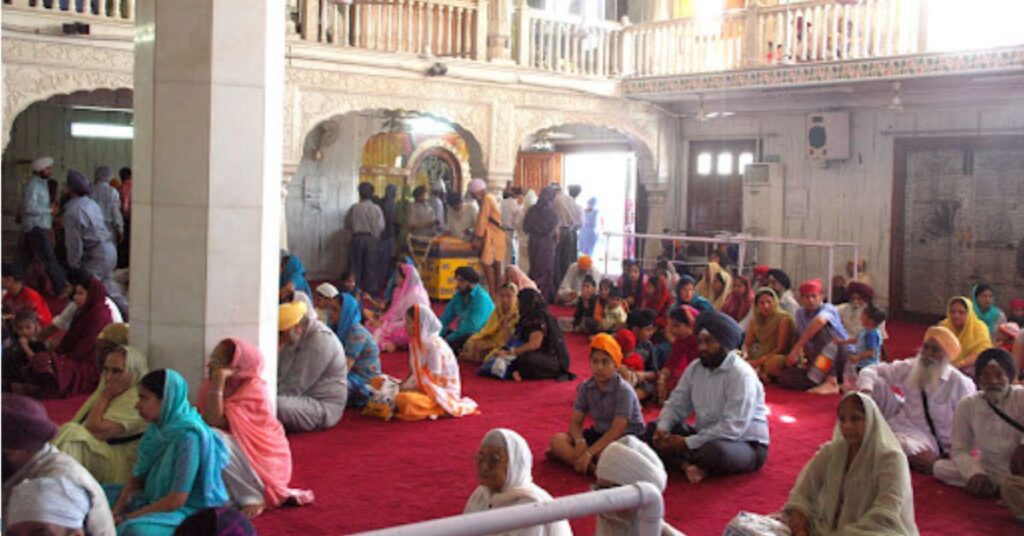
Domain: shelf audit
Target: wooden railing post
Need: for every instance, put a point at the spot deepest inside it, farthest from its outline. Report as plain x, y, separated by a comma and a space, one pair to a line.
308, 19
752, 38
922, 26
627, 64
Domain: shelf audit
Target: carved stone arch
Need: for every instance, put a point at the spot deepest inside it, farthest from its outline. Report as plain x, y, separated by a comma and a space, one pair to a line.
318, 105
643, 136
25, 85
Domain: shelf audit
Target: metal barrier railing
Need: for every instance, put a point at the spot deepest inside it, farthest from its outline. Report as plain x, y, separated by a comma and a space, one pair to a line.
642, 496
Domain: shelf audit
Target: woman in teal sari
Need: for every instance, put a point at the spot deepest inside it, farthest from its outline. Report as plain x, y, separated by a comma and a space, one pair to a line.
985, 308
343, 316
180, 461
293, 276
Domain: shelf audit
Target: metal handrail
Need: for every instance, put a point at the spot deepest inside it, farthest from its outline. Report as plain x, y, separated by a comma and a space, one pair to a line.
642, 496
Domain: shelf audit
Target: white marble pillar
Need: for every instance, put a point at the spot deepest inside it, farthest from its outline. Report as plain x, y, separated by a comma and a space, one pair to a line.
209, 83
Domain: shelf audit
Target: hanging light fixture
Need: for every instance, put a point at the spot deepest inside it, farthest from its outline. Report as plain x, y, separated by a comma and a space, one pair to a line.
896, 103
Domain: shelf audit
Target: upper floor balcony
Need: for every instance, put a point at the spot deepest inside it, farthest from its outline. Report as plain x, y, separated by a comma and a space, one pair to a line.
763, 43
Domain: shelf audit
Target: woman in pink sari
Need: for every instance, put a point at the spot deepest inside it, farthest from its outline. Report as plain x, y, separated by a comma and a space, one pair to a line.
234, 402
515, 275
409, 290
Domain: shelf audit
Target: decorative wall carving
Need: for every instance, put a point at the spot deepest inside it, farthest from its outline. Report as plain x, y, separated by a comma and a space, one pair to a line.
34, 72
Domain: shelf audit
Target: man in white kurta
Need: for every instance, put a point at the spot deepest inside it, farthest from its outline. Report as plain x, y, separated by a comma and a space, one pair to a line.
978, 426
572, 283
922, 418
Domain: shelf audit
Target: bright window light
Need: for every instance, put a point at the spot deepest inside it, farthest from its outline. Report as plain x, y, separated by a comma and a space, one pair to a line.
102, 130
725, 163
745, 158
429, 126
704, 164
982, 24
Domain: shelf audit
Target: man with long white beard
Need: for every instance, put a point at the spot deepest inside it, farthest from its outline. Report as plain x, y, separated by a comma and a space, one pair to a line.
312, 373
990, 421
922, 418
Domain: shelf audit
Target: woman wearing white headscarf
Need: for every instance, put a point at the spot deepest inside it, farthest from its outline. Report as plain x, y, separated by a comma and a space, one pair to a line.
858, 483
433, 388
626, 462
505, 470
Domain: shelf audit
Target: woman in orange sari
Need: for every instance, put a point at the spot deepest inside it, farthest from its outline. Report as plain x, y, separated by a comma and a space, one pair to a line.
433, 388
235, 403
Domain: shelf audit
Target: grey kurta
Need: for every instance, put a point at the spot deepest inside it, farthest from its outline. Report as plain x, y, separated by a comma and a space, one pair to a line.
50, 462
109, 202
90, 245
312, 380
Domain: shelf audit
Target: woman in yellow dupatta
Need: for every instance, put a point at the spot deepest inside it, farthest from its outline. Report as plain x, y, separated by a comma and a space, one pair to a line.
433, 388
771, 335
498, 329
104, 435
716, 285
973, 333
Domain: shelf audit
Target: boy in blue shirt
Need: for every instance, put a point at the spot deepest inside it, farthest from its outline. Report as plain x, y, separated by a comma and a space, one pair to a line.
868, 344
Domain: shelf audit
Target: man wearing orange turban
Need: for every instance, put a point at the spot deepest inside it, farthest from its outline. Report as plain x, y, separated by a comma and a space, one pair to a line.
569, 290
923, 418
608, 400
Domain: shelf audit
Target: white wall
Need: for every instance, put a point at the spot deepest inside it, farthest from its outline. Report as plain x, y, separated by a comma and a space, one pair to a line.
848, 200
315, 227
44, 129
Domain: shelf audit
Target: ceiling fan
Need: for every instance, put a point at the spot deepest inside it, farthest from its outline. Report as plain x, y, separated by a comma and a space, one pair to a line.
545, 139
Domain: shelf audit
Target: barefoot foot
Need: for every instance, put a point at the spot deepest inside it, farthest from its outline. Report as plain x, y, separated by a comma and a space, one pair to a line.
694, 474
252, 510
830, 387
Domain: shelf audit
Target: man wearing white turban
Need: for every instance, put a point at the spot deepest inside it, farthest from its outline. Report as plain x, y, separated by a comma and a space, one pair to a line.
36, 215
504, 467
47, 506
628, 461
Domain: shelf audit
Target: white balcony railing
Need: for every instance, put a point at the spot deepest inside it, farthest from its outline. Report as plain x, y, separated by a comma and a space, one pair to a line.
447, 28
568, 44
85, 9
685, 46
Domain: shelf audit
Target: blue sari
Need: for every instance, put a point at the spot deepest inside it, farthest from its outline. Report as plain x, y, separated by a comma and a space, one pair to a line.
362, 349
351, 314
294, 272
178, 454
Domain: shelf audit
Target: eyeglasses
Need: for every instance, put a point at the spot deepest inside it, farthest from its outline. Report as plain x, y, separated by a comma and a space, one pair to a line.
489, 459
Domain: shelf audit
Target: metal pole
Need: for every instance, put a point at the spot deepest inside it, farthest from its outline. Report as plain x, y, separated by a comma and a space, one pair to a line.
856, 262
831, 268
642, 497
607, 241
742, 254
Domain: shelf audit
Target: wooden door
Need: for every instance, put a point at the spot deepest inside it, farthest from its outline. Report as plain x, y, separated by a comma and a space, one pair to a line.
958, 219
534, 171
715, 191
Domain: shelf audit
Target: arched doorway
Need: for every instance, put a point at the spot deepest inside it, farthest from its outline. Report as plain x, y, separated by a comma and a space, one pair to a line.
384, 147
605, 164
80, 130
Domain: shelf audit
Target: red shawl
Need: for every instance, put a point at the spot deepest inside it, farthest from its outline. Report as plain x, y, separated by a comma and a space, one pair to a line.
255, 427
738, 305
661, 300
74, 360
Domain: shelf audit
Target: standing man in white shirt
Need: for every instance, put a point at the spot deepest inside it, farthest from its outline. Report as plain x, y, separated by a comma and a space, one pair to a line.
36, 221
511, 212
109, 201
366, 221
922, 418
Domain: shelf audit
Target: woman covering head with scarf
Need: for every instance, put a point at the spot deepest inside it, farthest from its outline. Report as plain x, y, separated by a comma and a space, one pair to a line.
541, 224
686, 294
626, 462
343, 316
658, 298
72, 368
632, 283
390, 331
770, 335
433, 387
513, 274
985, 308
180, 461
293, 276
740, 301
504, 468
542, 353
857, 483
234, 401
104, 434
498, 329
715, 285
972, 333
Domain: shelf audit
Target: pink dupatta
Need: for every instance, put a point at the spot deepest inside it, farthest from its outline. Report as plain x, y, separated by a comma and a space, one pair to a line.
256, 428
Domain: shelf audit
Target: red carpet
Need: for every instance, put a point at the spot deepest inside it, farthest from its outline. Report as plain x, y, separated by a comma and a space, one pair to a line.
371, 474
